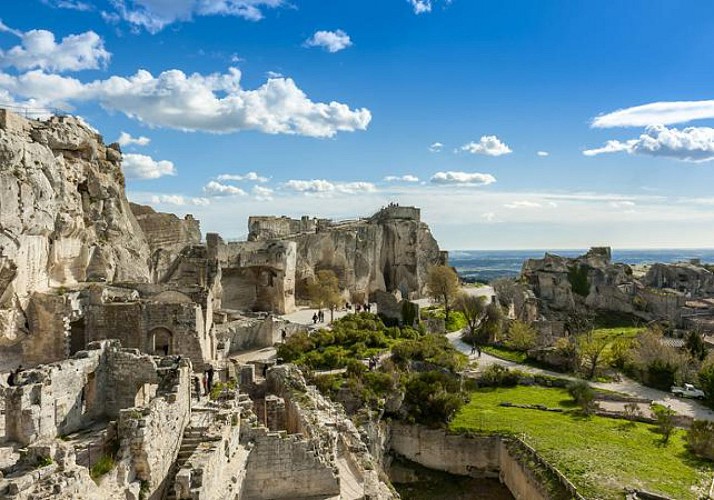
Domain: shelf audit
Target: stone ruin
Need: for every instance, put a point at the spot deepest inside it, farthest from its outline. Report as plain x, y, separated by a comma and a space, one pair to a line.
113, 309
551, 288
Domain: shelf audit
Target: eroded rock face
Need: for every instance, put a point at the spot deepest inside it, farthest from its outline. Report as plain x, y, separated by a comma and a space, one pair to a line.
167, 235
64, 216
391, 251
562, 283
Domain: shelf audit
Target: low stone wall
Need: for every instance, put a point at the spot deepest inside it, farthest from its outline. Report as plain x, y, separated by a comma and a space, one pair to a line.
477, 456
452, 453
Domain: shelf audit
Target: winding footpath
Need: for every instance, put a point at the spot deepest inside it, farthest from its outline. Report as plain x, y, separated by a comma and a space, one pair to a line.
627, 386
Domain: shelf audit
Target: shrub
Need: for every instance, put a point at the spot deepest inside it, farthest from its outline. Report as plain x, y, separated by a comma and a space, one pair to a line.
583, 395
499, 376
433, 398
700, 439
521, 336
706, 380
665, 420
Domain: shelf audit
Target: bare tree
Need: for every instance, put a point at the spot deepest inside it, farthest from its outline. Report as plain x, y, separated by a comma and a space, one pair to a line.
443, 285
473, 307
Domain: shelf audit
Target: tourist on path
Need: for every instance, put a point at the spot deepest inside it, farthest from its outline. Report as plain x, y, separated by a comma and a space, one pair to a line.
209, 372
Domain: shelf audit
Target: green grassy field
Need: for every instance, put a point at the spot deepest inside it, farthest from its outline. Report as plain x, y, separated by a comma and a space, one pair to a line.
505, 353
600, 456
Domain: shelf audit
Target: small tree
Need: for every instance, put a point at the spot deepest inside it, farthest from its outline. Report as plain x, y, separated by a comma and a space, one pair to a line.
665, 421
324, 291
695, 345
505, 290
443, 285
592, 352
632, 412
492, 324
706, 379
700, 439
583, 395
580, 321
473, 307
521, 336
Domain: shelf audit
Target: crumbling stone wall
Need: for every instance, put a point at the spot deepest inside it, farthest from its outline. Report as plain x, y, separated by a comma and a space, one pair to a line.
150, 436
216, 469
167, 236
282, 466
56, 399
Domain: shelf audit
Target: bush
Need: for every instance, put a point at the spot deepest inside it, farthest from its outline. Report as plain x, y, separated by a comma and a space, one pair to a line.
583, 395
706, 380
499, 376
521, 336
665, 420
700, 439
433, 398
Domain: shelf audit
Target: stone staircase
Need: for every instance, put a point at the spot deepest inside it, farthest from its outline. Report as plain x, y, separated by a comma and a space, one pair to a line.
192, 438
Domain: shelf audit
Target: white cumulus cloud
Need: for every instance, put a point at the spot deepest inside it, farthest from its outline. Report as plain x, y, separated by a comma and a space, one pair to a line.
463, 178
144, 167
543, 154
126, 139
250, 176
401, 178
155, 15
693, 144
69, 4
262, 193
40, 49
657, 113
214, 188
331, 41
321, 186
488, 145
436, 147
210, 103
179, 200
420, 6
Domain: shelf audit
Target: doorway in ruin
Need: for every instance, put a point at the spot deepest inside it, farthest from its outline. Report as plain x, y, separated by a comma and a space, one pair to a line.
161, 342
77, 339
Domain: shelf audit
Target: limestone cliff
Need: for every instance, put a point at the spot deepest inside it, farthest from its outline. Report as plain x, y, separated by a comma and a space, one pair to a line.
167, 236
390, 251
64, 216
561, 283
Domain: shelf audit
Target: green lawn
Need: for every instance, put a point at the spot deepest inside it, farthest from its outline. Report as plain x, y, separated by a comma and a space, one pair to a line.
600, 456
505, 353
625, 332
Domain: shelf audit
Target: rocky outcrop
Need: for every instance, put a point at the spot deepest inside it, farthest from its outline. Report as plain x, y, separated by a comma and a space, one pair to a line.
689, 278
64, 216
390, 251
561, 283
167, 236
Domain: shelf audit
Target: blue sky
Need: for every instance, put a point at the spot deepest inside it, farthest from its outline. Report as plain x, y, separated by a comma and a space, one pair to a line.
512, 124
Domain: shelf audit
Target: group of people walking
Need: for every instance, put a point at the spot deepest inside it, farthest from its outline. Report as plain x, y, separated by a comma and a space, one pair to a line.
205, 382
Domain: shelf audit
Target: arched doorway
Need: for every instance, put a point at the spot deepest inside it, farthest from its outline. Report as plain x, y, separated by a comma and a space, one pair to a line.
161, 342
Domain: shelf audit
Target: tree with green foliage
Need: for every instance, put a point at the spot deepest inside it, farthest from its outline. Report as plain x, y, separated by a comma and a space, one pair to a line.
591, 351
706, 379
324, 291
443, 285
665, 421
520, 336
473, 307
583, 395
700, 439
694, 343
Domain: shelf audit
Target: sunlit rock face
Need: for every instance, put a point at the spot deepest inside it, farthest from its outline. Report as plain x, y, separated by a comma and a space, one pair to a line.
64, 216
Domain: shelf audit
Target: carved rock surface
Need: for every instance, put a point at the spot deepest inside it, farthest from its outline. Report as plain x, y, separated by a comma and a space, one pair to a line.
64, 216
167, 235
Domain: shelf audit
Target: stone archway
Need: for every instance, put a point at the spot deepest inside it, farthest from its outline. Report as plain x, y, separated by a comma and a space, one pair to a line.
161, 341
